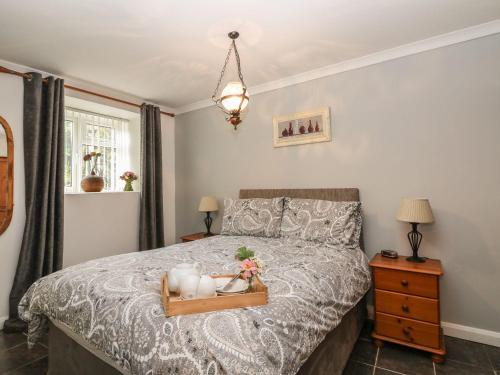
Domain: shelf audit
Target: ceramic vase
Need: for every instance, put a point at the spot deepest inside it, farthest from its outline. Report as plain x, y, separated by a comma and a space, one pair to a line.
128, 186
92, 184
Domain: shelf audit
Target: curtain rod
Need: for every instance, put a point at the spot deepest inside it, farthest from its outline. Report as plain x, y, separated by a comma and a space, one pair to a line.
69, 87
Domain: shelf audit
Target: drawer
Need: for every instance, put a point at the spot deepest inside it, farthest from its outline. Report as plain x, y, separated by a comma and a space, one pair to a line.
412, 331
419, 284
407, 306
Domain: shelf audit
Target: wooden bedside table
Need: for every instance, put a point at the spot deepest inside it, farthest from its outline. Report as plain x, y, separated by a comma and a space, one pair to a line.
406, 299
194, 236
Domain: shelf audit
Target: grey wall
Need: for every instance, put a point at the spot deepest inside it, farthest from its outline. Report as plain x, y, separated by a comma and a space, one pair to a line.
11, 109
425, 125
100, 224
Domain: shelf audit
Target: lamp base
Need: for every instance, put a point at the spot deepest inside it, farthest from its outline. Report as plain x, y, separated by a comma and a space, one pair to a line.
415, 237
416, 259
208, 224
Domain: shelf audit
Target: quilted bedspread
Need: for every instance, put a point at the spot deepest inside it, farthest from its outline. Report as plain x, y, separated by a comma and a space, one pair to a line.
114, 305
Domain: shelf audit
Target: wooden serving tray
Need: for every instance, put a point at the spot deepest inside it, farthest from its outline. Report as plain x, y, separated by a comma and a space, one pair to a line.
174, 305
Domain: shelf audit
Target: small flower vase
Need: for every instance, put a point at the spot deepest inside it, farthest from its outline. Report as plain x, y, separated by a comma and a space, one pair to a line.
128, 186
250, 284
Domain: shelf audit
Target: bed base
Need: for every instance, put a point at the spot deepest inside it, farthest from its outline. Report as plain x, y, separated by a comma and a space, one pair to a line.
66, 356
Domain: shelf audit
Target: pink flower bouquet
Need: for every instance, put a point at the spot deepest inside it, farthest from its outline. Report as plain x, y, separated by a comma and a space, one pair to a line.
128, 176
249, 268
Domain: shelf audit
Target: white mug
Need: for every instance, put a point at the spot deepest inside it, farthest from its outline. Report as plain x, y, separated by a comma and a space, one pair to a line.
189, 286
207, 287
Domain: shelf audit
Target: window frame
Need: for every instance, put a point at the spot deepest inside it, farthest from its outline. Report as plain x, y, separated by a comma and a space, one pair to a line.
78, 140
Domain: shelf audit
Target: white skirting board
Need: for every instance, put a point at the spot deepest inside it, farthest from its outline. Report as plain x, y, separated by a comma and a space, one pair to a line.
463, 332
470, 333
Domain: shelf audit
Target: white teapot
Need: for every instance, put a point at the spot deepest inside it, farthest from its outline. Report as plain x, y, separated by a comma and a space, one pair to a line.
180, 271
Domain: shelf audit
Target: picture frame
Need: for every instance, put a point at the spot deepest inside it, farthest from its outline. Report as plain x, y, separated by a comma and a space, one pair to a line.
302, 128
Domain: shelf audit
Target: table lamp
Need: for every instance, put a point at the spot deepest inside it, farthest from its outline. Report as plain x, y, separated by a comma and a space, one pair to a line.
415, 211
208, 205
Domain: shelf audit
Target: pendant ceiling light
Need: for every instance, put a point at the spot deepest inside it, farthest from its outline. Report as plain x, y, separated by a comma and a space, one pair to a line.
234, 97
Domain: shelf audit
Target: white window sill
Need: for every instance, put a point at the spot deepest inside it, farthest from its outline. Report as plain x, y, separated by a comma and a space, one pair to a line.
102, 192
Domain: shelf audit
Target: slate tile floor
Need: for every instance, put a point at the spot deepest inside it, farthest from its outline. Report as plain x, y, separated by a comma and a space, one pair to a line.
464, 358
17, 359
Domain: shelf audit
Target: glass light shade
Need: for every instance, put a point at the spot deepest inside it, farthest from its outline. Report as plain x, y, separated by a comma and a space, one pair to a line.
231, 97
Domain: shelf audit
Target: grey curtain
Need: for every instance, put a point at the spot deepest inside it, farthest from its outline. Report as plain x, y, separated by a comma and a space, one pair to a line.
151, 234
43, 136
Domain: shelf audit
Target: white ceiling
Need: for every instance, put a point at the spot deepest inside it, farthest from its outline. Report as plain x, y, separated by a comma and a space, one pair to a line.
171, 52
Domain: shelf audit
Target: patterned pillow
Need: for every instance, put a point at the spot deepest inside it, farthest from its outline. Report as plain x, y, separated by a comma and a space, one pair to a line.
252, 217
336, 223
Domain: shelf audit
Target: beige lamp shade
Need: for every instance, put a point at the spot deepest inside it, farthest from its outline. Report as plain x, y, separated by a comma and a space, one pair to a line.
415, 210
208, 204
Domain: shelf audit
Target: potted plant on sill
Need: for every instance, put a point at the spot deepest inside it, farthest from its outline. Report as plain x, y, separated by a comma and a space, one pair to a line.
128, 177
92, 183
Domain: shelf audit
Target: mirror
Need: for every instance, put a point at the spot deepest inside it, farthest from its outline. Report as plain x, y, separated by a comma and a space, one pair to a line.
6, 174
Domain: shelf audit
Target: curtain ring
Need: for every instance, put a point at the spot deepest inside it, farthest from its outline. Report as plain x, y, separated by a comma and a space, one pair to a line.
28, 77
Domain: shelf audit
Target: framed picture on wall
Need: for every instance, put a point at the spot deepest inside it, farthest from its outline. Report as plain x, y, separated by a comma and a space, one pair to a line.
302, 128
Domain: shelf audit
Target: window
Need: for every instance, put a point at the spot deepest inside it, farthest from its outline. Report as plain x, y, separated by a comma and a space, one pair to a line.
86, 132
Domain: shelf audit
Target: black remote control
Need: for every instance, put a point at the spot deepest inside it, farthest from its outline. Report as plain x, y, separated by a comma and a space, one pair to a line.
389, 253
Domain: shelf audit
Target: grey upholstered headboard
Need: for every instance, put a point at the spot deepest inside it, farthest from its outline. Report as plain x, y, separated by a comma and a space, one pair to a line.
335, 195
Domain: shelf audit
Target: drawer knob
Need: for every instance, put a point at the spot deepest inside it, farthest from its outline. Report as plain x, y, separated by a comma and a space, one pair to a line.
405, 308
406, 331
404, 282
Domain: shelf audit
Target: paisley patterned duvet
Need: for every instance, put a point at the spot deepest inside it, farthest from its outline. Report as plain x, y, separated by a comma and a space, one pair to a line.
114, 305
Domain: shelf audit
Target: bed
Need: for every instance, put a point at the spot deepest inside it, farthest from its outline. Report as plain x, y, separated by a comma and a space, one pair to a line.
105, 316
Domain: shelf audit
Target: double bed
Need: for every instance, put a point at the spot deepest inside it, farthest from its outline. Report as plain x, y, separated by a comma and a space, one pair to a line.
105, 316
